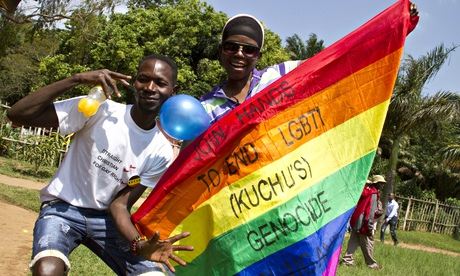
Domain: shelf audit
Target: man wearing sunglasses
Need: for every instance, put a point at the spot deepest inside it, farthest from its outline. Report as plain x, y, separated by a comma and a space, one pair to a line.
239, 51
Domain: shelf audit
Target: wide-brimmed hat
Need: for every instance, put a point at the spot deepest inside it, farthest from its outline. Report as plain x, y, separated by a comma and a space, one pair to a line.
378, 178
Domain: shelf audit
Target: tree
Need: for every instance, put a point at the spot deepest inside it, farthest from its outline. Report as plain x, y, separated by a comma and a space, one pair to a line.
188, 31
410, 110
299, 50
451, 152
82, 30
47, 12
20, 58
9, 6
150, 3
422, 168
272, 52
12, 35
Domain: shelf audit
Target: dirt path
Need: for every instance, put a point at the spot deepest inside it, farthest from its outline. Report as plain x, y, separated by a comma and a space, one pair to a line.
24, 183
16, 226
426, 248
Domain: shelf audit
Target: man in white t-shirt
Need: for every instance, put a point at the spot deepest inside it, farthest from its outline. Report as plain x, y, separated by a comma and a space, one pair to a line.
112, 152
391, 218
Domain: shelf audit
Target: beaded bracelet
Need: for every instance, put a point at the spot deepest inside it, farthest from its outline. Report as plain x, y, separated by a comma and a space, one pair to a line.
134, 243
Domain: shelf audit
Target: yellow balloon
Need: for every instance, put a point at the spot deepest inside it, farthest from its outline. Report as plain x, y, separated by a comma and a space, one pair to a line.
82, 104
88, 107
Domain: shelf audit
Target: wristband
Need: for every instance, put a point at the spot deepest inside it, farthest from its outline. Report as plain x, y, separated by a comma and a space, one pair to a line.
134, 243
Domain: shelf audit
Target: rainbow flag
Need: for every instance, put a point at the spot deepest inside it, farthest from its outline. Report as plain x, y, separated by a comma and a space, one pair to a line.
269, 188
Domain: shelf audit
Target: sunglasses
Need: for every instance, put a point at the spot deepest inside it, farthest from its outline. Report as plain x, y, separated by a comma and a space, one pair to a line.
231, 48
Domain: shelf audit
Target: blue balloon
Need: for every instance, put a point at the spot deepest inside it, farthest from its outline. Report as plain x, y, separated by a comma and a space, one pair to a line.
183, 117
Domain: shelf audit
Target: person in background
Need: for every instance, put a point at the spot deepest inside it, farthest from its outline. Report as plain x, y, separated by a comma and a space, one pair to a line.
391, 218
119, 150
362, 223
378, 213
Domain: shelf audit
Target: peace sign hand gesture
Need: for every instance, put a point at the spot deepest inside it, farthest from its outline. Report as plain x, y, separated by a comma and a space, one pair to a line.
106, 78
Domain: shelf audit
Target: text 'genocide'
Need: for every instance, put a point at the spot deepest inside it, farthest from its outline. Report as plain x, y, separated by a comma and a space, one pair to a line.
288, 221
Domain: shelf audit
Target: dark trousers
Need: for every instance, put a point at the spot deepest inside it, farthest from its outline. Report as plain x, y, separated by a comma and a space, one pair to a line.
393, 224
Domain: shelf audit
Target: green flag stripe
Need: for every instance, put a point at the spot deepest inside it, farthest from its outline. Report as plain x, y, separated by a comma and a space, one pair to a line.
280, 227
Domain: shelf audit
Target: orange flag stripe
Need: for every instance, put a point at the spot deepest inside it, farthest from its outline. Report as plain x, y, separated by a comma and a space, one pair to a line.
288, 129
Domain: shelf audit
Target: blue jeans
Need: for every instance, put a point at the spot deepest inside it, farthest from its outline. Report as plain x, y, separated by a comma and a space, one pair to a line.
393, 225
61, 227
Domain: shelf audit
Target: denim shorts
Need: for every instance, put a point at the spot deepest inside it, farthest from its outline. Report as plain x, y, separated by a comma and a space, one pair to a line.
61, 227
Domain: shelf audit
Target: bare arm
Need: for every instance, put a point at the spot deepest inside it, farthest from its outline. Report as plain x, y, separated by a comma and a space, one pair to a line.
154, 249
120, 210
37, 109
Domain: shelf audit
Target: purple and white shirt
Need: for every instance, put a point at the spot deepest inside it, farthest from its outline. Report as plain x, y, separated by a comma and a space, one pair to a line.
217, 104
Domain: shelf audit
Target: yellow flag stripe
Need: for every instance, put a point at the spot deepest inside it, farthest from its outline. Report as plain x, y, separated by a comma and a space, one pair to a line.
335, 149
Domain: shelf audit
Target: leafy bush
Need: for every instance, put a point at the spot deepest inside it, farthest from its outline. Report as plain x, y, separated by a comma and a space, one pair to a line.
43, 150
7, 147
453, 201
38, 150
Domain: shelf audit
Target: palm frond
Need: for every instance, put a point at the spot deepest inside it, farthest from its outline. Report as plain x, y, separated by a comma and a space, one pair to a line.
415, 73
441, 106
451, 155
408, 108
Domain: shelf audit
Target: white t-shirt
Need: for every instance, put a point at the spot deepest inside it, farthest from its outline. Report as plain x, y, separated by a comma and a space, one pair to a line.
392, 209
106, 151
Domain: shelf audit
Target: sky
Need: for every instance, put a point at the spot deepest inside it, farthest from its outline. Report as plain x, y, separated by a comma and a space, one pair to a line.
333, 19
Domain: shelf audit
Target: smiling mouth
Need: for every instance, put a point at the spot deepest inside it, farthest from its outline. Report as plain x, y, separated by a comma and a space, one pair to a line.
238, 65
150, 99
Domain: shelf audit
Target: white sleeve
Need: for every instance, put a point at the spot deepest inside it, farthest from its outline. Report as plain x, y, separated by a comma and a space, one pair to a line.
159, 163
275, 72
394, 210
70, 119
291, 65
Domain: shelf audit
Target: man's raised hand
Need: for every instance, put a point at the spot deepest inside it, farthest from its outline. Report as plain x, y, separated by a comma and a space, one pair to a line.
106, 78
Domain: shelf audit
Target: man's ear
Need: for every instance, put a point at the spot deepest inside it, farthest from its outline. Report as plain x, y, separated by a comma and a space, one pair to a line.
175, 90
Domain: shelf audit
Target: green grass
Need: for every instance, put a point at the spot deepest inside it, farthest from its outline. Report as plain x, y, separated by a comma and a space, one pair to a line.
21, 169
85, 262
395, 260
402, 261
440, 241
25, 198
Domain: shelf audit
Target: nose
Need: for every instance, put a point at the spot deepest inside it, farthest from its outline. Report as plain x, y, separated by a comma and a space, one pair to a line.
151, 85
239, 52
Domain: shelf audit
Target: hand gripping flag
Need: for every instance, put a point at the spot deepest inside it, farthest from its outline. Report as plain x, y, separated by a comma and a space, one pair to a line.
269, 188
